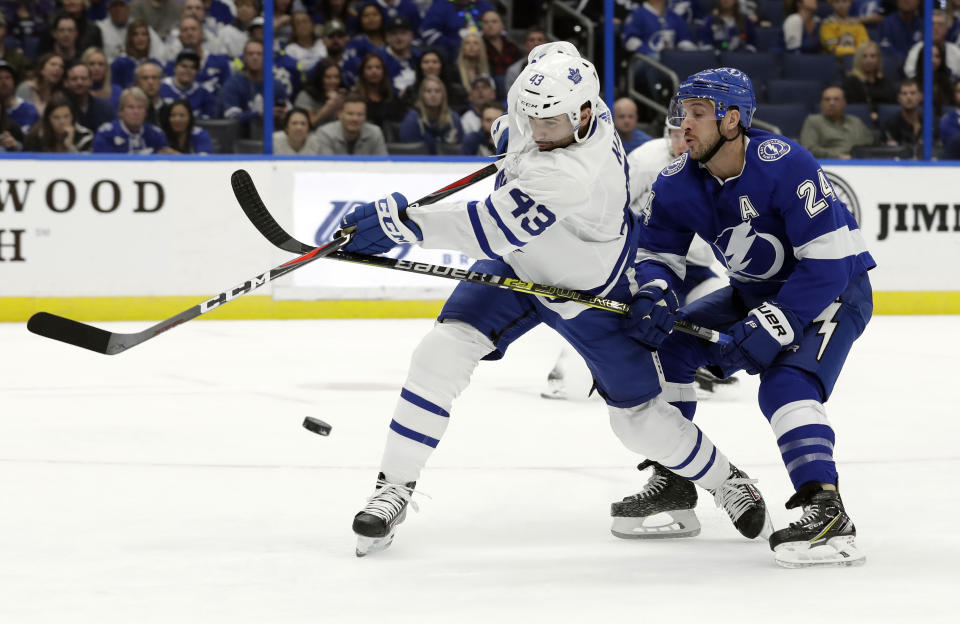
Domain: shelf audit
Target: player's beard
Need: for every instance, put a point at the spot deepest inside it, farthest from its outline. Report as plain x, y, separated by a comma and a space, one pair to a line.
546, 146
699, 149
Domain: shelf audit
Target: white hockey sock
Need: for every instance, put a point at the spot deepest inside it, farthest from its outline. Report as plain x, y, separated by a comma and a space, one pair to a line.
440, 369
659, 431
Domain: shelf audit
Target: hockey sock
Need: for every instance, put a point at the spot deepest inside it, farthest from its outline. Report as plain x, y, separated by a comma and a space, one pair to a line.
659, 431
440, 369
791, 400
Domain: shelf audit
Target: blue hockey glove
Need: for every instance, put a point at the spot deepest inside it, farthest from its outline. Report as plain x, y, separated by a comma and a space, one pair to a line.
652, 312
379, 227
758, 339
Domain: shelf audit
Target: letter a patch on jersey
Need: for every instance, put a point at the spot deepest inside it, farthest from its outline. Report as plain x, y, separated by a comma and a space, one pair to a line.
747, 211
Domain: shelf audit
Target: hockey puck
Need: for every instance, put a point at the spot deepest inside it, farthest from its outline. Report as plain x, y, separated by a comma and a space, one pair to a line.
316, 425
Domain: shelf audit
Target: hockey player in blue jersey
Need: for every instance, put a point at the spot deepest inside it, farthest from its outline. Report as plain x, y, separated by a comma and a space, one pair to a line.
559, 214
798, 297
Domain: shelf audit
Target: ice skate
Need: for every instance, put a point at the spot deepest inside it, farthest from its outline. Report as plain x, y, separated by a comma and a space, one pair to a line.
707, 383
744, 504
823, 536
555, 387
376, 523
662, 509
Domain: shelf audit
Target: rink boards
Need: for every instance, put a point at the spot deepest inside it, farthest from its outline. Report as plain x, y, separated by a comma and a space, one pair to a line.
136, 240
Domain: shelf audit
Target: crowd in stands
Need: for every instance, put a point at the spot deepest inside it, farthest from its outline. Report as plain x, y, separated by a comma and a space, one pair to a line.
373, 77
863, 59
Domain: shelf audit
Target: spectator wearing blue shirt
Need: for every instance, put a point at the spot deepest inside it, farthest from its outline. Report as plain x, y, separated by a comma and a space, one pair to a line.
394, 9
690, 11
480, 142
138, 48
372, 36
950, 122
625, 121
898, 32
243, 93
483, 89
214, 68
867, 12
286, 69
446, 19
90, 112
801, 30
183, 85
130, 134
652, 28
101, 85
183, 137
728, 29
401, 57
219, 11
23, 113
431, 120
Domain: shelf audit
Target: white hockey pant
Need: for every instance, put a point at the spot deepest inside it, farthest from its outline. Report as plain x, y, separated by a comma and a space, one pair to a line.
658, 431
440, 370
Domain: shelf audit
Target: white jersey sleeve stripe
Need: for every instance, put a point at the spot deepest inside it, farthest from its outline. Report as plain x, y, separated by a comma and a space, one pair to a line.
836, 245
511, 238
478, 231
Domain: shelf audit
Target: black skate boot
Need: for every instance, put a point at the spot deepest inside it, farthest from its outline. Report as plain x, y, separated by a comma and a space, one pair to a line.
376, 523
664, 493
823, 536
707, 381
744, 504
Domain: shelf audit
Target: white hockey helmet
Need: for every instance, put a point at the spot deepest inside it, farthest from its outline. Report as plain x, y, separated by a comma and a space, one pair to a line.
557, 84
554, 47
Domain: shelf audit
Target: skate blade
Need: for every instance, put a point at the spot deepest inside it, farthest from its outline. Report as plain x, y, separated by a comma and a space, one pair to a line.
556, 395
673, 525
767, 529
369, 545
836, 552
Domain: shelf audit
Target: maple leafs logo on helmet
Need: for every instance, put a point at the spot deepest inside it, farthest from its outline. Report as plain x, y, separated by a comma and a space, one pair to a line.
558, 84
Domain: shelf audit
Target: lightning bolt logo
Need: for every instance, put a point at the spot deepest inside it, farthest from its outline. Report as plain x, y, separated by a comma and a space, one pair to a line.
827, 326
738, 246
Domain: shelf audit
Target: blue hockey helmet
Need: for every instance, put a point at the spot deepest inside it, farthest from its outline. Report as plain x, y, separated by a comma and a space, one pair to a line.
726, 87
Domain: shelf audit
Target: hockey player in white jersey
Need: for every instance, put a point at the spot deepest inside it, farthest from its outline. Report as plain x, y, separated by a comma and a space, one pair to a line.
559, 215
569, 378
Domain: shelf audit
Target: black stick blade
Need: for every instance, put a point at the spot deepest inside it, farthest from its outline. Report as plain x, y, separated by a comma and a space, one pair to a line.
70, 331
249, 199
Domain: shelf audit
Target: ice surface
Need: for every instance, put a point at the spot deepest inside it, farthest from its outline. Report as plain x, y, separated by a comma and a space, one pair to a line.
174, 483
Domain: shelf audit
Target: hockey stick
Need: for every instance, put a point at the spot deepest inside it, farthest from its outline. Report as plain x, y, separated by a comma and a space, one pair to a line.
249, 199
110, 343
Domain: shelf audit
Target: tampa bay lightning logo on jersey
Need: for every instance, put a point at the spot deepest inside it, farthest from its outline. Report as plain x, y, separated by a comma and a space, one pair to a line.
675, 166
749, 253
773, 149
575, 76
